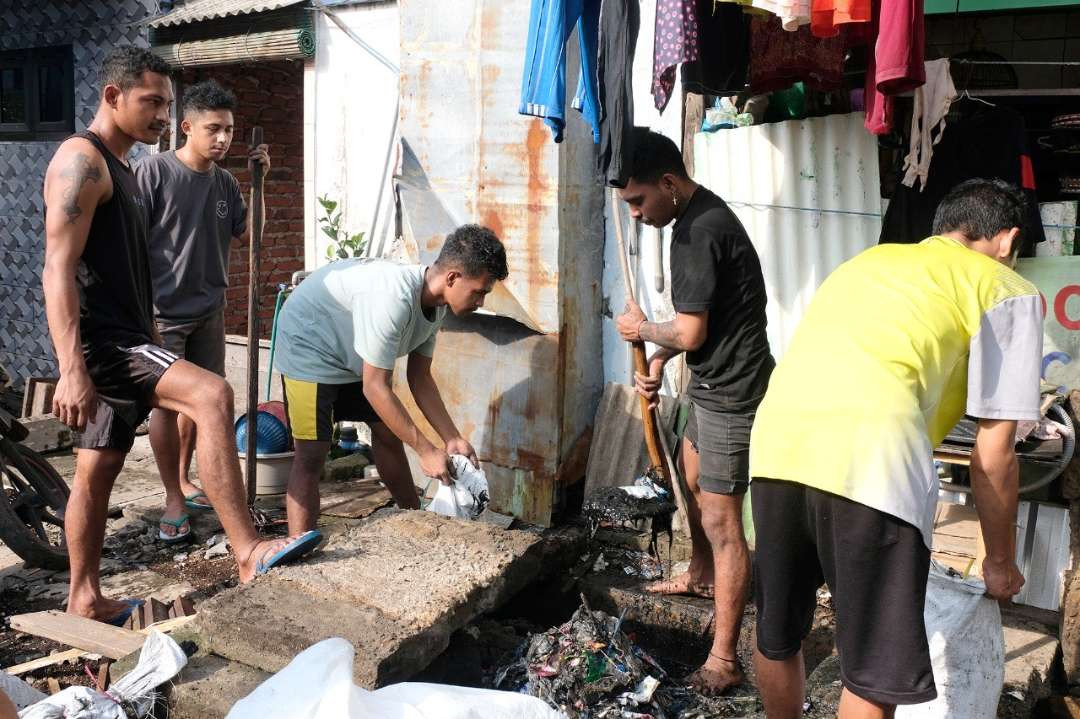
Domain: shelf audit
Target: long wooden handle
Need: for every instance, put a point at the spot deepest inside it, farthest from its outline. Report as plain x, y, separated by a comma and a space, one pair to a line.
254, 251
641, 363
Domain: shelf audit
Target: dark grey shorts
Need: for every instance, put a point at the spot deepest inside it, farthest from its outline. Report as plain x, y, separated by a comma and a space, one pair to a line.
722, 440
201, 342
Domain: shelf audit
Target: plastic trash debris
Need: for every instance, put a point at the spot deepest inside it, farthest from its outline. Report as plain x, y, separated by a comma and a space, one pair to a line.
317, 684
134, 694
465, 497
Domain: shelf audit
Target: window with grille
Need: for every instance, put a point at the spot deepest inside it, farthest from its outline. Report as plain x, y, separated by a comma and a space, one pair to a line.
36, 94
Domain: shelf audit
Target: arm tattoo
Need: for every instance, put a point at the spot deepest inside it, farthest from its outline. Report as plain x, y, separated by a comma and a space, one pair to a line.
79, 172
661, 333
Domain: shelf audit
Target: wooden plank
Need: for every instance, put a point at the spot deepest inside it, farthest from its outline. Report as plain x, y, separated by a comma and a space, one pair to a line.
79, 632
72, 654
54, 685
159, 610
46, 433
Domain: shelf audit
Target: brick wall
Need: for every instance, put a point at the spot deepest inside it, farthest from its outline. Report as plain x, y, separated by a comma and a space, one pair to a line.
271, 95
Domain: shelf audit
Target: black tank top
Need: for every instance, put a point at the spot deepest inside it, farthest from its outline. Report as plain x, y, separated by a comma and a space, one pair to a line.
115, 287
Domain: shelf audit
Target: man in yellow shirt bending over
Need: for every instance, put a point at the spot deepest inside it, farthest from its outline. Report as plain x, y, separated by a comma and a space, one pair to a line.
896, 346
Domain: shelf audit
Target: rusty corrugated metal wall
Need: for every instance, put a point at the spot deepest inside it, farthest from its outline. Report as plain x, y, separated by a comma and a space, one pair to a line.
807, 192
522, 385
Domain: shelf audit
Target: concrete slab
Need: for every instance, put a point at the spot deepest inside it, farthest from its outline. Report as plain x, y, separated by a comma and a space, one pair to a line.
1031, 657
209, 686
397, 585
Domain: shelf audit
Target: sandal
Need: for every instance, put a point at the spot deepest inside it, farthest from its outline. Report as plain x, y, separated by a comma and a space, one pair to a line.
177, 536
190, 501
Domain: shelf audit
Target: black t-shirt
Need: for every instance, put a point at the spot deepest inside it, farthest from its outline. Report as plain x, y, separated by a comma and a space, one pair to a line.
988, 142
714, 267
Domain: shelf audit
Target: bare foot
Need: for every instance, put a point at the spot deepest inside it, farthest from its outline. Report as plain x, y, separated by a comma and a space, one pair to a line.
260, 551
716, 676
682, 584
100, 609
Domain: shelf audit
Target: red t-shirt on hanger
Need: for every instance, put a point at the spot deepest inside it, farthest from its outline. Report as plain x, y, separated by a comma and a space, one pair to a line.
827, 15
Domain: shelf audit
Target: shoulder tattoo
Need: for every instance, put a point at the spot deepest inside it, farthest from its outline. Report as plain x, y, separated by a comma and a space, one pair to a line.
77, 174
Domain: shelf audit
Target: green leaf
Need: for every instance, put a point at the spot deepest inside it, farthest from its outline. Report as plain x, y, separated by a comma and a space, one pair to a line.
343, 254
330, 232
328, 204
329, 252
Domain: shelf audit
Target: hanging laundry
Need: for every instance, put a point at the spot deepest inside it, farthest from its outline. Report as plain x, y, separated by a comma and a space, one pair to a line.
724, 53
674, 42
896, 64
793, 14
984, 141
780, 58
543, 87
826, 16
620, 21
932, 102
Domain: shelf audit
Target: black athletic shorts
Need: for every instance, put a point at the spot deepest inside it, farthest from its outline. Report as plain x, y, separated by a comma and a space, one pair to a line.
125, 379
876, 568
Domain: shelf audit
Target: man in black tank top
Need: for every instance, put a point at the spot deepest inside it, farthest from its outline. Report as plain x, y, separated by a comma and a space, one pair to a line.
99, 304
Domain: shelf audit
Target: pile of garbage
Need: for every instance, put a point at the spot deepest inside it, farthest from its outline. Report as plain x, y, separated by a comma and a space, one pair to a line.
644, 499
587, 668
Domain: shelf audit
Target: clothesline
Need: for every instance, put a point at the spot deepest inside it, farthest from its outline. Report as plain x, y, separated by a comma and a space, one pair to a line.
853, 213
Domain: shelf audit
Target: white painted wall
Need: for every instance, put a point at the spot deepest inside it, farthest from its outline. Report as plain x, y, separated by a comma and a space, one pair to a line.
657, 305
350, 103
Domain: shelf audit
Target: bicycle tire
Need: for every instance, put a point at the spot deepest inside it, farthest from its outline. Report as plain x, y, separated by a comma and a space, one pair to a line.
14, 532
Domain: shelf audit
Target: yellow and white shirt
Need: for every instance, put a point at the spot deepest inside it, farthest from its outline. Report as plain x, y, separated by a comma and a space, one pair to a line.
897, 344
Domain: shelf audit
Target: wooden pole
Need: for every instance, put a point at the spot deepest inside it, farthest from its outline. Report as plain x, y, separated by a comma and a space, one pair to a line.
256, 231
652, 437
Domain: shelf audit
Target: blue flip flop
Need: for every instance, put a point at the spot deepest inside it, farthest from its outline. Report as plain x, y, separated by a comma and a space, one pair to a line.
120, 619
190, 503
302, 545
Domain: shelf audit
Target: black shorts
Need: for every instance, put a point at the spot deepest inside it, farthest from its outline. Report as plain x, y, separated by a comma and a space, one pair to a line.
125, 379
722, 441
876, 568
314, 407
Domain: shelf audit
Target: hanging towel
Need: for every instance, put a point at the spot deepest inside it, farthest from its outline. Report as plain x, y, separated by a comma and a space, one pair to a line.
778, 58
826, 16
620, 21
896, 64
932, 102
724, 53
676, 41
543, 87
792, 13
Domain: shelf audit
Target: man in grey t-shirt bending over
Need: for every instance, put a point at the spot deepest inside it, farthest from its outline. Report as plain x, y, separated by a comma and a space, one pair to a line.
196, 209
339, 335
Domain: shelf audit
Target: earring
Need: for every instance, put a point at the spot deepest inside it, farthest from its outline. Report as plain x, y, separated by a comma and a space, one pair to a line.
674, 199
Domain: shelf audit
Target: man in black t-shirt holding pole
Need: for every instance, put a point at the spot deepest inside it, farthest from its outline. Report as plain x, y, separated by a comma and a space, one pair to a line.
718, 294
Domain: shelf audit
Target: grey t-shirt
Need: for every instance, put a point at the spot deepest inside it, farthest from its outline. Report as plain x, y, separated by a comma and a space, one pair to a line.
351, 312
193, 217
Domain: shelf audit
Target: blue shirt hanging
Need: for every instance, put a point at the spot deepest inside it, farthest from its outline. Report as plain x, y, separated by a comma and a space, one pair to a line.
543, 86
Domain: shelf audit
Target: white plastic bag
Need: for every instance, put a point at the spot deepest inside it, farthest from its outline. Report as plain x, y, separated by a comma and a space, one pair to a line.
160, 660
967, 648
317, 684
466, 496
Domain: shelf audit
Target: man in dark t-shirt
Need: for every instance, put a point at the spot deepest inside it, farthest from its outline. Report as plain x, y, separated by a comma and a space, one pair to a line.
99, 304
718, 294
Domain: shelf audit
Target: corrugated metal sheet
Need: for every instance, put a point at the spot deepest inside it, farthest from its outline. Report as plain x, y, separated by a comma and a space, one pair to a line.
1042, 553
779, 179
525, 390
200, 10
